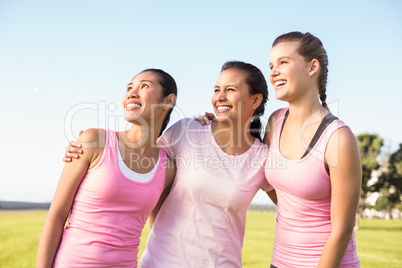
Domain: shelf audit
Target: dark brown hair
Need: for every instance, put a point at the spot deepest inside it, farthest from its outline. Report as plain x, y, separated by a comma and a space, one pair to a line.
257, 84
169, 86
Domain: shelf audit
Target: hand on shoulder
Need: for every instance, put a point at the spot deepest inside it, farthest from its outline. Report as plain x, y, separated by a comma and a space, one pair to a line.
92, 138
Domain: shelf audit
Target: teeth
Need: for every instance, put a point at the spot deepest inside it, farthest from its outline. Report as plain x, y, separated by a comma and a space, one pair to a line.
281, 82
132, 105
223, 108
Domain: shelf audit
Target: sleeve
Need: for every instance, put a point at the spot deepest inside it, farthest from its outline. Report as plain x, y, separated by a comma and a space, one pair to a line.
171, 138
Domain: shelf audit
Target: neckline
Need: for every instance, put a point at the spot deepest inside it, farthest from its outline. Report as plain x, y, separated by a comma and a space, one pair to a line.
216, 145
328, 118
120, 158
116, 163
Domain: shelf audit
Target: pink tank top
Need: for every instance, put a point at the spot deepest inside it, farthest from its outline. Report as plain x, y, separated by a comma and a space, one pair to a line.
303, 189
108, 214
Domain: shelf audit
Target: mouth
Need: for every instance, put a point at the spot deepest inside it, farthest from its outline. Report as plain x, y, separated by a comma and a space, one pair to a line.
132, 105
223, 108
279, 83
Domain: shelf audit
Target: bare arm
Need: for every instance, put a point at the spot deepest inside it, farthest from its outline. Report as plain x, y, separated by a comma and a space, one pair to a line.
272, 196
69, 182
169, 178
343, 159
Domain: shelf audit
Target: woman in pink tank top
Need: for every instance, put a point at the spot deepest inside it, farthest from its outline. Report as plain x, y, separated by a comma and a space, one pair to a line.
106, 207
319, 180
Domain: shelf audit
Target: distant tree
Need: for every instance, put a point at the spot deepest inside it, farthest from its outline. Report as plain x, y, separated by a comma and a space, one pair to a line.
370, 146
389, 183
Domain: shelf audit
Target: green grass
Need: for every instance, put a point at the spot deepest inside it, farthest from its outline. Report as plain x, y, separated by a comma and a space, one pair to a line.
379, 242
19, 238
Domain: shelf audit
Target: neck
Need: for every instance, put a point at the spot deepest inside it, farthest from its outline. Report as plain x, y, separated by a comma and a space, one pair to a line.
302, 109
232, 138
142, 138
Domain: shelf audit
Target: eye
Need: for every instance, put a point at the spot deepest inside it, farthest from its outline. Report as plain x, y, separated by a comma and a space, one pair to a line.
271, 66
283, 62
129, 88
231, 89
144, 85
216, 90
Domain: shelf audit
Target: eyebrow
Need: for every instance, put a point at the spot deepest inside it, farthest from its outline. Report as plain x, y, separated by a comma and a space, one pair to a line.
142, 81
280, 58
284, 57
227, 86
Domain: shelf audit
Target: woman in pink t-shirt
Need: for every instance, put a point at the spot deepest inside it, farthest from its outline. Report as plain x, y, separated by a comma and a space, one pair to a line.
318, 191
109, 192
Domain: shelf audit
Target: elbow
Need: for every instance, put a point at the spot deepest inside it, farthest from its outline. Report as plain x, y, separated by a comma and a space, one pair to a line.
343, 234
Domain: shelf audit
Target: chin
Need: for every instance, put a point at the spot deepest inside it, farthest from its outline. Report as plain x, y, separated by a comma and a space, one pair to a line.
280, 97
134, 118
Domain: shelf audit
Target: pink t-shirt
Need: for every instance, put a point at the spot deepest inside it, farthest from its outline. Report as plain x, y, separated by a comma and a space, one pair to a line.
303, 189
108, 214
202, 221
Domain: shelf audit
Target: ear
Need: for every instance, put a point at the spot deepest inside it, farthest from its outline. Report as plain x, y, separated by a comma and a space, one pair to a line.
257, 99
314, 67
169, 101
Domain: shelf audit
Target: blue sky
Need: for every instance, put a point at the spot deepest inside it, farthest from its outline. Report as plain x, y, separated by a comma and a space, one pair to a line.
64, 66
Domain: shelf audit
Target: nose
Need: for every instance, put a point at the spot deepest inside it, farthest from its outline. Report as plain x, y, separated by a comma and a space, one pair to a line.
222, 95
132, 93
274, 71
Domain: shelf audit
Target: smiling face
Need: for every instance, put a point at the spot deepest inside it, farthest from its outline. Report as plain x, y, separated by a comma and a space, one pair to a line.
289, 72
143, 98
232, 99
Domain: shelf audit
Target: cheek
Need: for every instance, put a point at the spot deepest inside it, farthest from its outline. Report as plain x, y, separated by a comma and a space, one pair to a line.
213, 100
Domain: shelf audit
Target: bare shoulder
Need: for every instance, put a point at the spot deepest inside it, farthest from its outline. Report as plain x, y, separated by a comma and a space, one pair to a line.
342, 138
273, 117
342, 148
271, 126
93, 143
93, 138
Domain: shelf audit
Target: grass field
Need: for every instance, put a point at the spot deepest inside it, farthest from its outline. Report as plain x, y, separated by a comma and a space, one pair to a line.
379, 242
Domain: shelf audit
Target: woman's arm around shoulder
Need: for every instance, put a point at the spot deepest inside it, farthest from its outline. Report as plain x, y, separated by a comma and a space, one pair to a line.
70, 179
343, 159
169, 178
269, 131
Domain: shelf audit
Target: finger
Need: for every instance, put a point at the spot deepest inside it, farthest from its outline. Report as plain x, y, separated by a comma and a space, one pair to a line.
74, 150
75, 144
205, 118
66, 159
210, 116
201, 120
71, 155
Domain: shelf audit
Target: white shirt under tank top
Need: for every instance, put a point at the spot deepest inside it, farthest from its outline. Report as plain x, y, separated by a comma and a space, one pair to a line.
132, 175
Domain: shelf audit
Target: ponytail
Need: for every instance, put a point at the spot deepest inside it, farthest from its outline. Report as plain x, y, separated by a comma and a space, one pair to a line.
256, 127
323, 98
